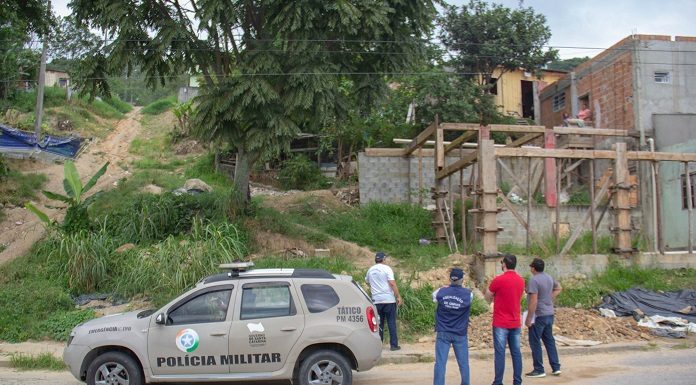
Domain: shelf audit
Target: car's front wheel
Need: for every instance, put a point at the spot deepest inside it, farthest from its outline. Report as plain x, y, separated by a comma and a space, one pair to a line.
114, 368
325, 367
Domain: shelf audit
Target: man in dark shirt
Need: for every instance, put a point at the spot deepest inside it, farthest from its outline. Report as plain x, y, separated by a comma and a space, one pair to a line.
541, 292
451, 325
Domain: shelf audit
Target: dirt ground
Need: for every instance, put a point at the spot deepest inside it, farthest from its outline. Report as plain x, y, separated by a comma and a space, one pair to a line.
20, 229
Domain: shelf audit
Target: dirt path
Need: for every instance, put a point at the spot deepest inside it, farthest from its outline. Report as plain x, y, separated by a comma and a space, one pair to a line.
21, 229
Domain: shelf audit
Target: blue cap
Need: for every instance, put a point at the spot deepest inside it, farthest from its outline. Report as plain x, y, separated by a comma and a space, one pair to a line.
379, 257
456, 274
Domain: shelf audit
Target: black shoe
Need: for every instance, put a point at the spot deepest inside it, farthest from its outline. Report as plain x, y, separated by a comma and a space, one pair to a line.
395, 348
535, 374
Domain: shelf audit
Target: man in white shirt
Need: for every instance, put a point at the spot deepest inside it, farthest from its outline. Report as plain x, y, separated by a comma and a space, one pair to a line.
385, 295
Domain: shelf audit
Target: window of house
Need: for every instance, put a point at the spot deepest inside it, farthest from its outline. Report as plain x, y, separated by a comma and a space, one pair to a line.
493, 86
319, 298
558, 101
208, 307
62, 82
685, 203
664, 77
266, 300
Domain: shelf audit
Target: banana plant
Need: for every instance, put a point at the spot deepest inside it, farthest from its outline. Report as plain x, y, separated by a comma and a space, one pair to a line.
76, 216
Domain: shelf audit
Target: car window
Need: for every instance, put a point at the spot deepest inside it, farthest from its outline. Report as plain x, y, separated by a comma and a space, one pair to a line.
266, 300
208, 307
319, 298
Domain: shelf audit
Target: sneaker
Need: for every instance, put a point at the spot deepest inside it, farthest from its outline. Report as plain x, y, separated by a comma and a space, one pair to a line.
556, 372
395, 348
535, 374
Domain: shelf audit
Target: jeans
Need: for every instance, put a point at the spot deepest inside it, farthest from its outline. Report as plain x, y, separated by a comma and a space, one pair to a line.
461, 351
511, 337
387, 312
542, 330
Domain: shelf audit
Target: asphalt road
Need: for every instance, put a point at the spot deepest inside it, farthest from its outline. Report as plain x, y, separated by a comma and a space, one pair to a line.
659, 366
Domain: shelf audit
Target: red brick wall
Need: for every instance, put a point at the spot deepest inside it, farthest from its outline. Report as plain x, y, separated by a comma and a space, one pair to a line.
549, 118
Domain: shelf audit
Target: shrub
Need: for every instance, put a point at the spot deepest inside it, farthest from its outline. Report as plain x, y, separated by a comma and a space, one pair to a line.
301, 173
58, 326
159, 106
4, 168
119, 104
147, 218
105, 110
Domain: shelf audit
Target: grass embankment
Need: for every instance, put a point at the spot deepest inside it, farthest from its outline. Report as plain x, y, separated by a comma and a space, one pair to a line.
159, 106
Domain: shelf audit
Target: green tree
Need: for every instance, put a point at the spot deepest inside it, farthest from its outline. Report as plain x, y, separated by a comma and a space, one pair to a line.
485, 37
567, 64
270, 68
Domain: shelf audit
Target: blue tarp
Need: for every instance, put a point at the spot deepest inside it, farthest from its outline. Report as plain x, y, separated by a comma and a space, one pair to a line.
17, 141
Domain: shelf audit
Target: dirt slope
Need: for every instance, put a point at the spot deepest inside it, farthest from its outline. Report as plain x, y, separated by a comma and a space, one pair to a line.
21, 229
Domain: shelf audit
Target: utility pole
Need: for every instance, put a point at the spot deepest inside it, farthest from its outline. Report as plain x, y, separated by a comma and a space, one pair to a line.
40, 91
42, 78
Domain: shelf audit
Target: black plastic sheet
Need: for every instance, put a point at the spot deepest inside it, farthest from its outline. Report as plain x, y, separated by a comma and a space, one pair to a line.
667, 304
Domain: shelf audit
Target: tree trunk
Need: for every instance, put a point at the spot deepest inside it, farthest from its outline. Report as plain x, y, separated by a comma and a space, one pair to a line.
241, 194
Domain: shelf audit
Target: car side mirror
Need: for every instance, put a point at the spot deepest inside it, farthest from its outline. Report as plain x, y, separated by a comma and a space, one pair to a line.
161, 319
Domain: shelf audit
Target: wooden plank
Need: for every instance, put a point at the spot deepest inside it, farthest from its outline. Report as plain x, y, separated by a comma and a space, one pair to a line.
529, 201
493, 127
549, 171
460, 139
456, 166
439, 149
420, 139
489, 197
420, 177
462, 195
590, 213
524, 139
593, 154
521, 220
394, 152
593, 207
622, 218
513, 176
689, 203
590, 131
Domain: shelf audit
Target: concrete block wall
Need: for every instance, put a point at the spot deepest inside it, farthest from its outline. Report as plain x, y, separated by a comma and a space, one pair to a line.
543, 220
395, 179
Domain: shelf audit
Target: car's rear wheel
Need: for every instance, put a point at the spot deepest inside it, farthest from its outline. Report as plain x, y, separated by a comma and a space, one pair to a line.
114, 368
325, 367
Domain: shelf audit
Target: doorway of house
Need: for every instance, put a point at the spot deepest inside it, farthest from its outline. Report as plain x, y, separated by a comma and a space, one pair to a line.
527, 99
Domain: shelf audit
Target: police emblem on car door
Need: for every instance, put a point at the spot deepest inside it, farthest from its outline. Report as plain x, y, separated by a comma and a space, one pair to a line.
267, 327
192, 336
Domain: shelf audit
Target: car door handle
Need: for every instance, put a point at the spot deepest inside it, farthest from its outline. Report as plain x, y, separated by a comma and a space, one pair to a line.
288, 329
218, 334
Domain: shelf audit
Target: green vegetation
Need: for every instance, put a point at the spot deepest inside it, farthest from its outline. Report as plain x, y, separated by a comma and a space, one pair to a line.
59, 325
76, 217
583, 245
119, 104
159, 106
300, 173
18, 188
42, 361
618, 278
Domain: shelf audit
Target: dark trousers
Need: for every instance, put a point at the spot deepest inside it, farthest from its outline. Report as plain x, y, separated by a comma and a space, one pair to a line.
542, 331
387, 312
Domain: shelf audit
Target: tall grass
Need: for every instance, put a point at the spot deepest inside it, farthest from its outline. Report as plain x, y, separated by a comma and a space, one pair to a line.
159, 106
18, 188
168, 268
41, 361
119, 104
105, 110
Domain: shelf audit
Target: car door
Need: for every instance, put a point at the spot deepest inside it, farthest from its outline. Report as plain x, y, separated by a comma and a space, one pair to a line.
267, 325
195, 337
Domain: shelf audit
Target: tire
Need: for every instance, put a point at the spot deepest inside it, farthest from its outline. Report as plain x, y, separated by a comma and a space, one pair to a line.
114, 368
325, 367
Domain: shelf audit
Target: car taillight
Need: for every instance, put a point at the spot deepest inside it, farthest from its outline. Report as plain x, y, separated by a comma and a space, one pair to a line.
371, 319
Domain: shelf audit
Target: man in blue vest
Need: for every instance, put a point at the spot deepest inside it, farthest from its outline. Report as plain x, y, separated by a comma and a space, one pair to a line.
451, 325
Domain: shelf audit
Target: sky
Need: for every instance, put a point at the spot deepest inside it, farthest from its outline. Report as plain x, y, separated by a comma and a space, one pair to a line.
596, 24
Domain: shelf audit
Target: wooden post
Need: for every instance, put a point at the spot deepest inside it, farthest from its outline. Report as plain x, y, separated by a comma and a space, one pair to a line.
420, 177
489, 206
40, 88
529, 201
439, 158
658, 196
558, 204
622, 219
593, 206
689, 203
462, 197
550, 171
